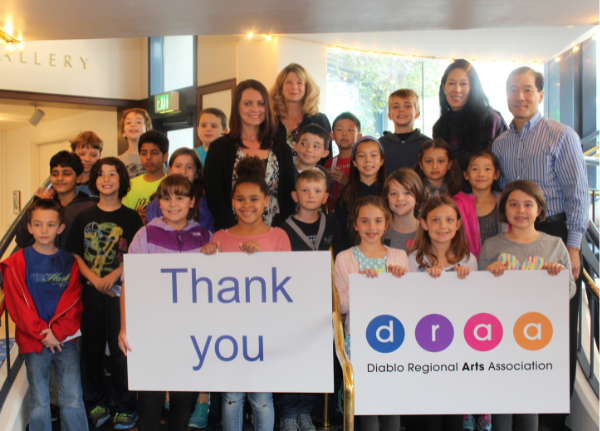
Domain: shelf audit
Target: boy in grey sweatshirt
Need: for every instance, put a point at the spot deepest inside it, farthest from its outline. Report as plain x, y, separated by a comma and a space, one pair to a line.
402, 147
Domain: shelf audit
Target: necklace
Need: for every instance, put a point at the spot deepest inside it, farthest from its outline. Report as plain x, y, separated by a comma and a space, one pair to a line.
291, 122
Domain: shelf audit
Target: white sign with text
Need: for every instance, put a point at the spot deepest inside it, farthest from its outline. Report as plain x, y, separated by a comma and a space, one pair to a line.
230, 322
447, 346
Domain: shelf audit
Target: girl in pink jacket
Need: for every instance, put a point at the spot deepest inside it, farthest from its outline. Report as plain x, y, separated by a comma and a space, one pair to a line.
479, 210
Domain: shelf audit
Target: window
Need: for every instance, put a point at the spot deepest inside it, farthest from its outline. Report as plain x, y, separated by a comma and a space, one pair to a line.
171, 63
178, 62
361, 83
180, 138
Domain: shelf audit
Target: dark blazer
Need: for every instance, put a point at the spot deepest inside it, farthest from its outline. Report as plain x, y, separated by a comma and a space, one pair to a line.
218, 173
319, 118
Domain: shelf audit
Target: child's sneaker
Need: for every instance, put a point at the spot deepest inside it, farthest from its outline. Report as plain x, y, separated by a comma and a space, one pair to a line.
288, 424
484, 423
468, 422
98, 416
199, 418
124, 421
305, 422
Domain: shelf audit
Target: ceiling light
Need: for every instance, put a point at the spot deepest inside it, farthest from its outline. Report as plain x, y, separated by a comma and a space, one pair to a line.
10, 47
250, 35
9, 40
557, 59
575, 48
268, 37
37, 116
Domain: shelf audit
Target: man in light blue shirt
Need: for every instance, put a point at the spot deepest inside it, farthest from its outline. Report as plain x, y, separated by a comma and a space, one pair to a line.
548, 153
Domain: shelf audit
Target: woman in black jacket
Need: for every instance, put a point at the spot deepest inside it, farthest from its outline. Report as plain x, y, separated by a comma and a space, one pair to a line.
295, 101
467, 121
252, 126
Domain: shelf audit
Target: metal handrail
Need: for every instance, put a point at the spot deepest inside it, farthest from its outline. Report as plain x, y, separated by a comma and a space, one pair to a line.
591, 284
338, 330
587, 363
591, 150
12, 230
592, 160
590, 137
5, 242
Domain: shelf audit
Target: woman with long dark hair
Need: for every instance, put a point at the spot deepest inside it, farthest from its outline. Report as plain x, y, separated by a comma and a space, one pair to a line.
467, 122
253, 127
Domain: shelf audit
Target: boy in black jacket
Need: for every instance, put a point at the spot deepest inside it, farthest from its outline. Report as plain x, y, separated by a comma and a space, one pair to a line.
402, 147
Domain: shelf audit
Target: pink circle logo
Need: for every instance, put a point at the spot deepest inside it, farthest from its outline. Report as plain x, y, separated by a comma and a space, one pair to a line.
483, 332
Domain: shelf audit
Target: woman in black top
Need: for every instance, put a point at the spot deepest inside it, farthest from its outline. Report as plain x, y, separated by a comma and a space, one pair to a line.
295, 100
252, 128
467, 122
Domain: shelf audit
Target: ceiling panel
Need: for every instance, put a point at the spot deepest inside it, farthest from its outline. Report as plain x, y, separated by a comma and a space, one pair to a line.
76, 19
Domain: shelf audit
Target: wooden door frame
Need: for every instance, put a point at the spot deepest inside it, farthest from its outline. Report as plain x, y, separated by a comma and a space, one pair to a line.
215, 87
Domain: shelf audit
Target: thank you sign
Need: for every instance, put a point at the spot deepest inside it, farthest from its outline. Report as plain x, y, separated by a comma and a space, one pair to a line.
447, 346
230, 322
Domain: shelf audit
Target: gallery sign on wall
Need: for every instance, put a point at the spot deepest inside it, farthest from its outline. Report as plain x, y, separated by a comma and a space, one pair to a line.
447, 346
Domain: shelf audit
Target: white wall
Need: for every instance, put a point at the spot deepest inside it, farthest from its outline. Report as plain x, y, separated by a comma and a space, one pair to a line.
217, 58
114, 68
226, 57
311, 56
257, 59
19, 156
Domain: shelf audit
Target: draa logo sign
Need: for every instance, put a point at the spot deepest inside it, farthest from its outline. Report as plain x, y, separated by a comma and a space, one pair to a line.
482, 332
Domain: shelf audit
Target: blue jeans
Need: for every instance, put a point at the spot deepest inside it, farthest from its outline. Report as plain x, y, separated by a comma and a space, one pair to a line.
66, 369
262, 407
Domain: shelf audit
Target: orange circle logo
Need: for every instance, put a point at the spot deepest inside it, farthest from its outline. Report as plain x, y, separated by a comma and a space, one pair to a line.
533, 331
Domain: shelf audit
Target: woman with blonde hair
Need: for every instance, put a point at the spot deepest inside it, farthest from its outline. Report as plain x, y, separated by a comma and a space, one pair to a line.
295, 101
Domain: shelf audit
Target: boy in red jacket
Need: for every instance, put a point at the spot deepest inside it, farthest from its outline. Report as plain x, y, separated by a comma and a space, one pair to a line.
43, 297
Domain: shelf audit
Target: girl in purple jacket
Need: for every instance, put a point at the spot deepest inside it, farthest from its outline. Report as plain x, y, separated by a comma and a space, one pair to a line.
174, 232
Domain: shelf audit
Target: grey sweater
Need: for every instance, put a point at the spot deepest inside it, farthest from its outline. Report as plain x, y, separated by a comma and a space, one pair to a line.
547, 247
401, 154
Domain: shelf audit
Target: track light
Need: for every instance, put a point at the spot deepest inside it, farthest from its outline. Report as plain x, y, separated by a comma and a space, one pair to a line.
37, 116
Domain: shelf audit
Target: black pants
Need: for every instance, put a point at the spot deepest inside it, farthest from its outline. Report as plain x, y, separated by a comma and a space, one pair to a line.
100, 323
433, 422
377, 423
559, 229
151, 405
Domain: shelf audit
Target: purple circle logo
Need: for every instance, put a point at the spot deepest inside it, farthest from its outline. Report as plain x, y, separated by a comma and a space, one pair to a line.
434, 333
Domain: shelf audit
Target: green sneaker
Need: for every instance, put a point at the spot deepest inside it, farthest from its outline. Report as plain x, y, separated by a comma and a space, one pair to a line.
98, 416
199, 418
124, 421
